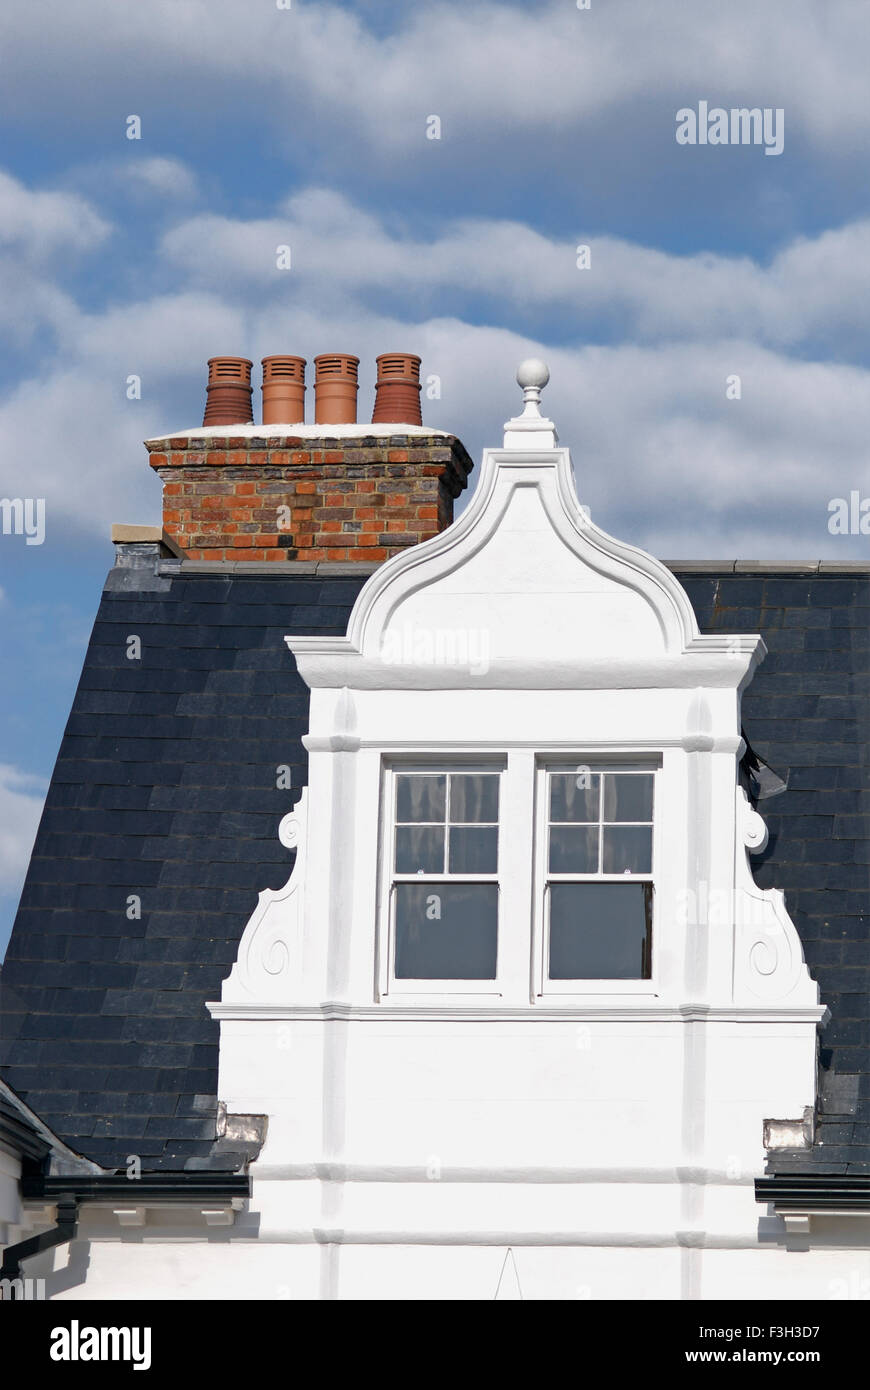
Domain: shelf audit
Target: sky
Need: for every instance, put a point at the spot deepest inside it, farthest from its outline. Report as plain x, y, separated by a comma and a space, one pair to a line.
708, 354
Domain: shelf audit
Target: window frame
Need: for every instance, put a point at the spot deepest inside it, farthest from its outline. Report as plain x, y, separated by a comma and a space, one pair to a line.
543, 986
389, 984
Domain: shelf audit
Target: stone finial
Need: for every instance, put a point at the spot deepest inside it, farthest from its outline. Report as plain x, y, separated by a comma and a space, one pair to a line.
531, 430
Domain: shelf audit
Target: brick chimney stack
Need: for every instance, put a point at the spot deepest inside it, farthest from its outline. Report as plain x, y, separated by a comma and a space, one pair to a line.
335, 490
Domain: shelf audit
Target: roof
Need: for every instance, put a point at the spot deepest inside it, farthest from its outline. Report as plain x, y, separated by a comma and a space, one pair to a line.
806, 712
166, 788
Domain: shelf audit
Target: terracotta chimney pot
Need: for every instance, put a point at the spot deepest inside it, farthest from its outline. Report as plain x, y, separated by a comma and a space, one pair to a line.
283, 390
335, 389
228, 394
397, 394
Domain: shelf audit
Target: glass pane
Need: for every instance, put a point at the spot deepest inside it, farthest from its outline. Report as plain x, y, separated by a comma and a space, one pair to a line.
419, 849
627, 847
474, 797
628, 796
422, 798
574, 849
446, 931
600, 931
473, 849
574, 796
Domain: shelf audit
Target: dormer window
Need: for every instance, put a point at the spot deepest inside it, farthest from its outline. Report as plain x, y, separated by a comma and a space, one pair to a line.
444, 891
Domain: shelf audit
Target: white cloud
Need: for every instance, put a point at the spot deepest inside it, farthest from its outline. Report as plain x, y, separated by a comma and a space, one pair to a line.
484, 67
21, 799
811, 291
71, 438
41, 235
170, 178
41, 225
661, 454
164, 338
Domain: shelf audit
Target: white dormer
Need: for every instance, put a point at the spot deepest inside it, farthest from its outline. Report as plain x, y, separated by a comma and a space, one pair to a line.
522, 889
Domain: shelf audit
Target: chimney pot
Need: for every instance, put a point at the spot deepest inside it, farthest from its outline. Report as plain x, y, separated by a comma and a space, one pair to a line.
283, 390
397, 394
335, 388
228, 394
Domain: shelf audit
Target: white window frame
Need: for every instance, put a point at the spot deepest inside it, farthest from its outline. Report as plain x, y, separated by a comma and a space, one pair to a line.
389, 986
522, 877
543, 986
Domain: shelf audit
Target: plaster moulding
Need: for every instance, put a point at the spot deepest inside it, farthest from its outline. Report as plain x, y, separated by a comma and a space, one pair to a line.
271, 944
769, 960
525, 564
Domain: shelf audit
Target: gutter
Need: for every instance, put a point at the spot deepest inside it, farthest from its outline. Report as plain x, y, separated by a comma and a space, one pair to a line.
162, 1187
798, 1198
68, 1193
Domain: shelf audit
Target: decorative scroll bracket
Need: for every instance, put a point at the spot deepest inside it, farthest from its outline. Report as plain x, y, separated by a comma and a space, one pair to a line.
271, 945
769, 962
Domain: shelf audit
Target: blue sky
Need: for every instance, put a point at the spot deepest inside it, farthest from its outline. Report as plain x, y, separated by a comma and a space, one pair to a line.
307, 126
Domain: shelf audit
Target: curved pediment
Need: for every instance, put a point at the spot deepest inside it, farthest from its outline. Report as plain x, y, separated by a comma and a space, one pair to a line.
524, 591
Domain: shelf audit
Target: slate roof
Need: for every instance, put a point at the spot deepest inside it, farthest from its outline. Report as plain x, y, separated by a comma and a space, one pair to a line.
807, 713
165, 787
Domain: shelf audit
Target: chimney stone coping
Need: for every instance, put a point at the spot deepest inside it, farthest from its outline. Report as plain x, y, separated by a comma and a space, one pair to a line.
298, 431
126, 534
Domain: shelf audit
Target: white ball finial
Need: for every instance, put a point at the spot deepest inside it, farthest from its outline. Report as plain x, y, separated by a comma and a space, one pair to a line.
533, 372
531, 428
